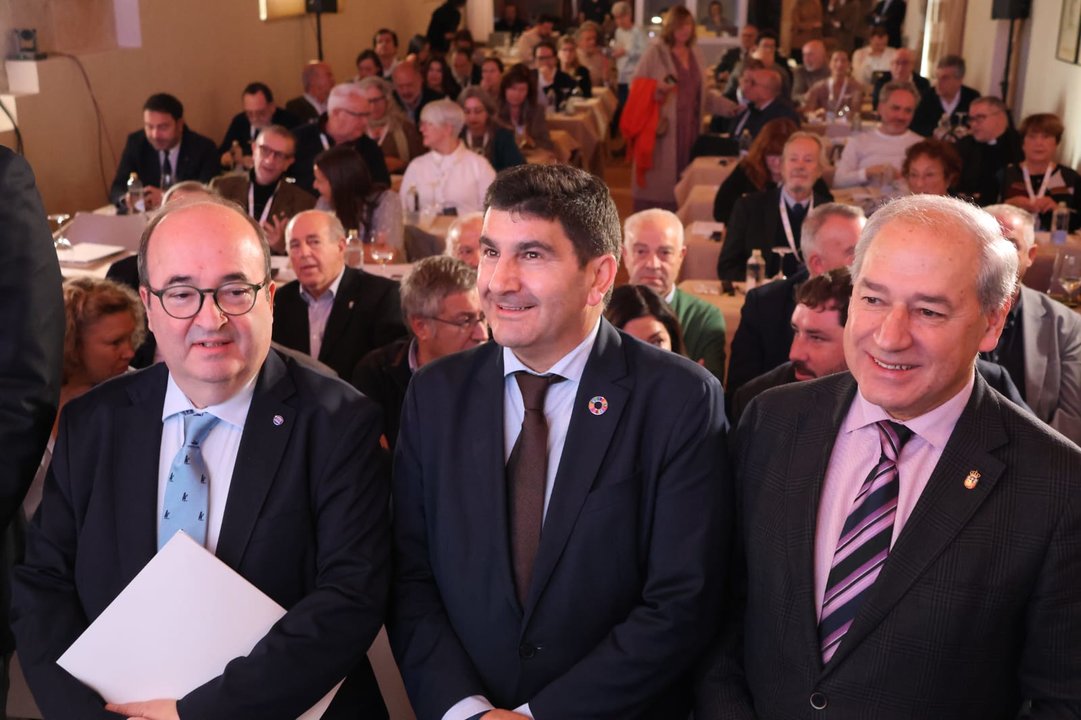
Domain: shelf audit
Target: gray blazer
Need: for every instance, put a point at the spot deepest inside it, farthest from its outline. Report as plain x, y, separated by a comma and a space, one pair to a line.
1052, 336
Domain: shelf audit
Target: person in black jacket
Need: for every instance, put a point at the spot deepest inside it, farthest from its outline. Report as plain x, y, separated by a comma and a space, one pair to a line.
552, 83
445, 21
948, 95
259, 112
991, 145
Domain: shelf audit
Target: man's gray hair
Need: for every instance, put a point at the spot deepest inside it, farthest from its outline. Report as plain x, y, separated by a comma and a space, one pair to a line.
429, 283
454, 233
1025, 219
341, 92
335, 229
621, 8
996, 274
817, 218
993, 101
444, 112
655, 215
373, 81
897, 85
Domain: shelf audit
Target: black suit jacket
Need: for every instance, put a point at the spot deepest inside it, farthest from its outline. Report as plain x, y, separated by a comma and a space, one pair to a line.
310, 139
756, 223
976, 608
563, 86
367, 314
427, 95
198, 160
982, 163
779, 108
892, 18
923, 86
930, 111
624, 589
302, 110
764, 335
383, 375
240, 129
306, 523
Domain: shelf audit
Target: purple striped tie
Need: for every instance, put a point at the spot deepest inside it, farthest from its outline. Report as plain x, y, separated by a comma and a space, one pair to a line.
864, 544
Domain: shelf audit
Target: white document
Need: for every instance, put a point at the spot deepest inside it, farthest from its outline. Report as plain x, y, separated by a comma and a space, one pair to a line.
87, 253
188, 614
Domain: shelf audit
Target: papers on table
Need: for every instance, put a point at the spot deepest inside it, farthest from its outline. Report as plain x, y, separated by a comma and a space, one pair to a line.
87, 253
188, 614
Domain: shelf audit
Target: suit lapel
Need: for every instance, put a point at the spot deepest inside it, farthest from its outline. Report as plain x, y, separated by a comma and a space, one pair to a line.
943, 509
585, 449
138, 439
266, 435
344, 300
1033, 326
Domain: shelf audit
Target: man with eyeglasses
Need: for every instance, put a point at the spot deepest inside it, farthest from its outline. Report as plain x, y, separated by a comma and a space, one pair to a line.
268, 196
344, 123
395, 135
991, 145
553, 85
441, 305
334, 313
290, 494
902, 69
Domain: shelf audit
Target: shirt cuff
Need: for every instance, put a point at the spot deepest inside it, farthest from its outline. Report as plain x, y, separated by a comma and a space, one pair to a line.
524, 710
467, 708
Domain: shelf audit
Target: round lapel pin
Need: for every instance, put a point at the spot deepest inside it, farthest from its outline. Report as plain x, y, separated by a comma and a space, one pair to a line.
598, 405
278, 420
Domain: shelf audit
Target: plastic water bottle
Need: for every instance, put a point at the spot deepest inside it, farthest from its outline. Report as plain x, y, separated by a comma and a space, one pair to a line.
136, 194
1060, 224
354, 250
412, 204
756, 269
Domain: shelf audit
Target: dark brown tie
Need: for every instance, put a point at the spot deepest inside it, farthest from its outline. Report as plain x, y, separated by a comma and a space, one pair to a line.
527, 472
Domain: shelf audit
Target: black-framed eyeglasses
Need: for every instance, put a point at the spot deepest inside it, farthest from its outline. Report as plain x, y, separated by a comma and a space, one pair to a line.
184, 302
272, 153
465, 323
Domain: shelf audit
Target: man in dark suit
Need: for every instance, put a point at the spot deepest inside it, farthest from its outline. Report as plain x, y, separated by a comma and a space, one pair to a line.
878, 583
748, 38
902, 69
440, 304
773, 218
950, 96
410, 91
991, 145
889, 14
31, 351
764, 336
603, 614
164, 152
317, 79
295, 501
334, 313
552, 84
763, 90
259, 112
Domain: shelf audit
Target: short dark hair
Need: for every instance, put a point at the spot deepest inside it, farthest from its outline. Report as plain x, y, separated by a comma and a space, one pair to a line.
369, 54
1044, 124
830, 290
630, 302
879, 30
258, 87
165, 103
764, 35
545, 44
945, 153
465, 35
952, 61
385, 31
497, 61
578, 201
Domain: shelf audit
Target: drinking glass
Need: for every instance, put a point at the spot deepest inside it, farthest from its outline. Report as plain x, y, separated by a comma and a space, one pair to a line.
1066, 275
60, 241
781, 251
381, 250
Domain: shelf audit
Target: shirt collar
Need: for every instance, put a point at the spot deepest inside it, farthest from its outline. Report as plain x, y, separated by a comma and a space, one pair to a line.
791, 202
414, 364
570, 366
935, 426
233, 411
331, 292
671, 295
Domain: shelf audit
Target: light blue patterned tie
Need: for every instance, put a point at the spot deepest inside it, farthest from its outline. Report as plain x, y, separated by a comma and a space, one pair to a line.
188, 488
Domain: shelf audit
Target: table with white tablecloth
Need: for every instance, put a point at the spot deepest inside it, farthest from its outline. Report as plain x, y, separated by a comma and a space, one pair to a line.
705, 170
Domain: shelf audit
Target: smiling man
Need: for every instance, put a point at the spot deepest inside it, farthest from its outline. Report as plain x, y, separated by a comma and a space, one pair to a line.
312, 535
876, 156
608, 444
912, 536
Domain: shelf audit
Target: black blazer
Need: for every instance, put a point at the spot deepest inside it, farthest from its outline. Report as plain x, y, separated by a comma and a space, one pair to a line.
302, 110
427, 95
562, 87
306, 523
975, 610
198, 160
764, 335
929, 111
892, 18
240, 129
383, 375
982, 163
780, 107
366, 314
310, 139
624, 589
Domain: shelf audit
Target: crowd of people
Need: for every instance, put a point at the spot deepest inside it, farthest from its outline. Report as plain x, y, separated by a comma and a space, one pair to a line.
565, 496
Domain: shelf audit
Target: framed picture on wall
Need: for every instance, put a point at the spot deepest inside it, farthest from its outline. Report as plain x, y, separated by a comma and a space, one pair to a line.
1069, 31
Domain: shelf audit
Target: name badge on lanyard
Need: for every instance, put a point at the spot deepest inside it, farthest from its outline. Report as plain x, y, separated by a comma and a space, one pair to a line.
1043, 185
266, 208
787, 224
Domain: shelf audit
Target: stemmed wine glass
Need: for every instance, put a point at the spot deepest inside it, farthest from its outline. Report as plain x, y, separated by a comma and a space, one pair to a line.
1068, 273
781, 251
60, 241
381, 250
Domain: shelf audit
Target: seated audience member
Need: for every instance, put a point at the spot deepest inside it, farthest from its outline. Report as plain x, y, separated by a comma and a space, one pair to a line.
570, 66
465, 72
395, 135
165, 151
1038, 183
259, 112
774, 218
759, 170
334, 313
442, 310
463, 40
346, 189
991, 145
714, 20
410, 91
317, 79
491, 74
641, 313
540, 32
443, 24
104, 325
439, 79
509, 22
653, 253
1040, 345
450, 178
874, 58
748, 38
264, 191
813, 69
463, 238
931, 167
902, 69
385, 45
484, 133
553, 86
346, 123
949, 97
764, 334
876, 155
368, 65
837, 92
418, 51
592, 56
518, 108
762, 90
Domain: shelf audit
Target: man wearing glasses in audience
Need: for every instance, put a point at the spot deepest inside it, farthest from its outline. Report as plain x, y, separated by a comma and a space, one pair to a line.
312, 535
268, 196
991, 145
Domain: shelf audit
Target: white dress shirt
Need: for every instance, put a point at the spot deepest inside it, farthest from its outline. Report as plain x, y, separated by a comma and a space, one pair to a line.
459, 180
319, 312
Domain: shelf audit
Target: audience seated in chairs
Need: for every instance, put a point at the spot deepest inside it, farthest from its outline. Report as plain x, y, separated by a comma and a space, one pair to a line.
484, 133
875, 156
396, 136
759, 170
518, 108
346, 188
1039, 183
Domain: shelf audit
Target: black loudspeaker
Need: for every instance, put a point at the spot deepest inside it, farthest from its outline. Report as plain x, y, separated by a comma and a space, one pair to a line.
321, 6
1010, 9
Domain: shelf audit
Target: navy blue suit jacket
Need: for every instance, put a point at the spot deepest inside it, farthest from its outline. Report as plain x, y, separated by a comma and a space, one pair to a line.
198, 160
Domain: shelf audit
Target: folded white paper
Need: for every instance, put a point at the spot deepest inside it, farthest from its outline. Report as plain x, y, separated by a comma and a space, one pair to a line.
188, 614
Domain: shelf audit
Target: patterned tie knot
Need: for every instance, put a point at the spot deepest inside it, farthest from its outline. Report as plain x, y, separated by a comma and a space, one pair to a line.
197, 427
534, 388
893, 437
